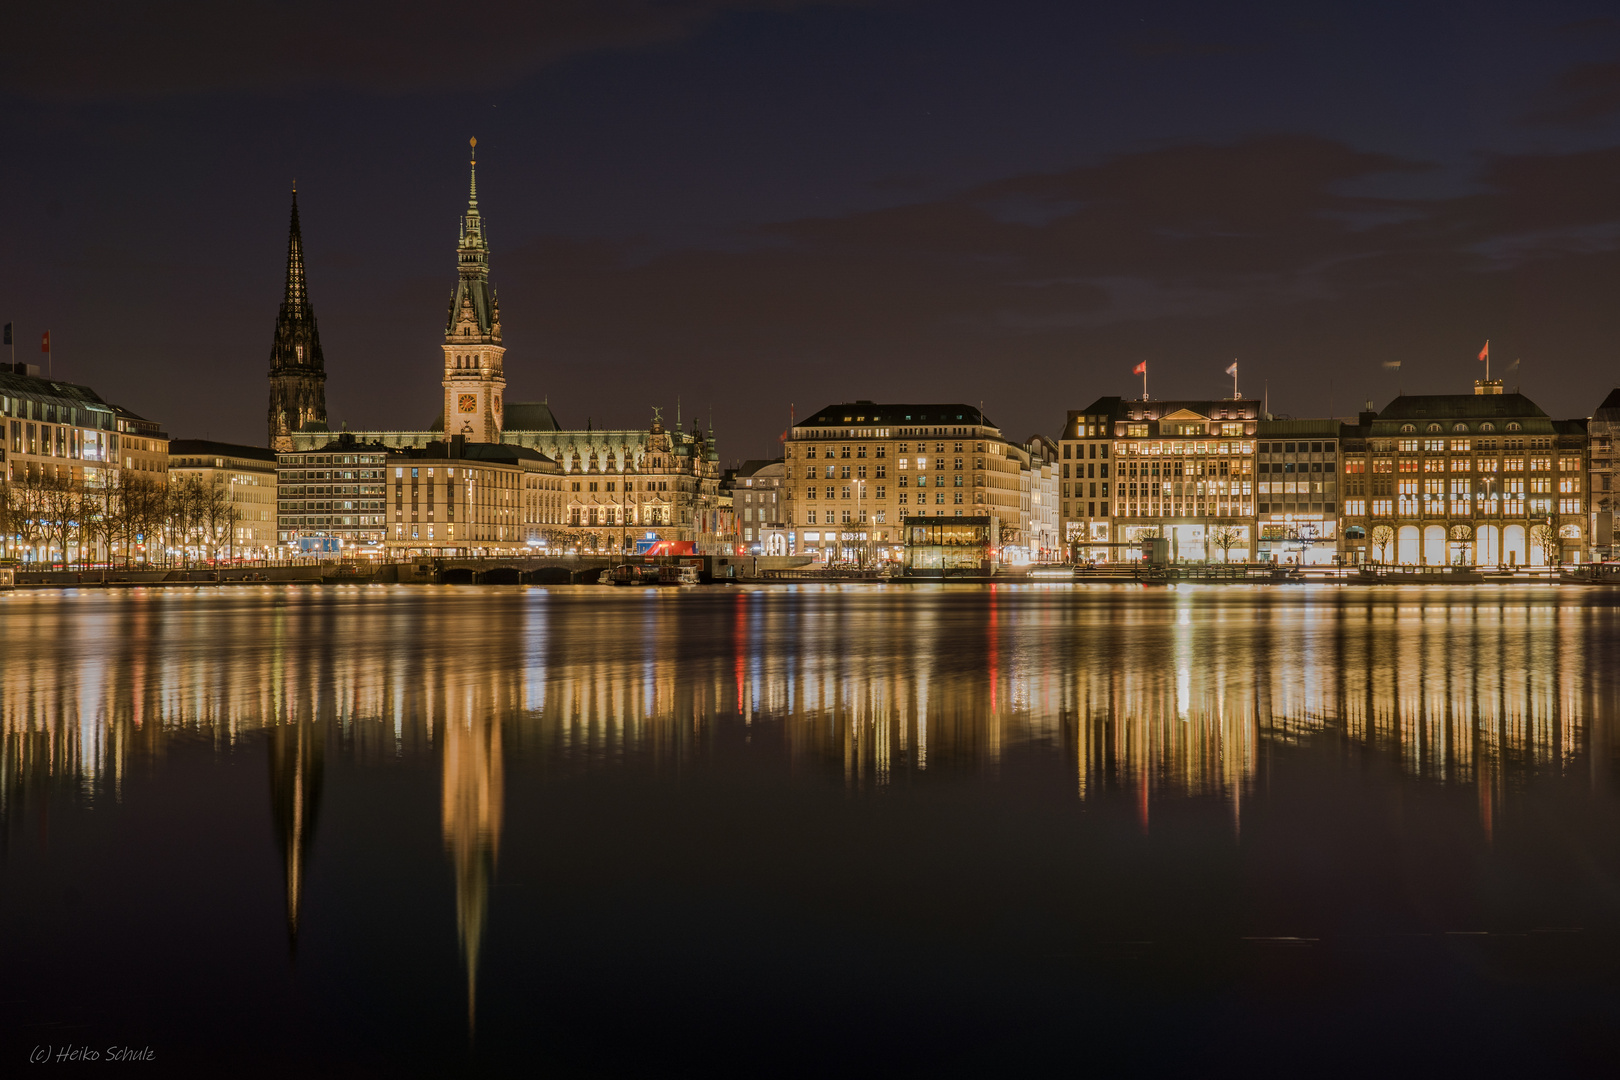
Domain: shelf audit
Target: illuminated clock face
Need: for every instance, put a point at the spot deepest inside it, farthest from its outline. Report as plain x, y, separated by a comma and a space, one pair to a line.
469, 403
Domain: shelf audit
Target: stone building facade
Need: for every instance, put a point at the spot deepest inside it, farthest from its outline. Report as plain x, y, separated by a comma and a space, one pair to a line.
1487, 479
467, 498
1183, 470
759, 506
854, 471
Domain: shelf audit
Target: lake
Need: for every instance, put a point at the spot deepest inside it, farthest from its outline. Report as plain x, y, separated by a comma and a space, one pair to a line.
397, 830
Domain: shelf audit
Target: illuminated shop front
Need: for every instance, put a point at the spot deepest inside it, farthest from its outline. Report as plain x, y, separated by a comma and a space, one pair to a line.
942, 547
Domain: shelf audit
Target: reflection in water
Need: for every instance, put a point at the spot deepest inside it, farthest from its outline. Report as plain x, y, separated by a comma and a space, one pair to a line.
295, 798
473, 807
1175, 692
1155, 695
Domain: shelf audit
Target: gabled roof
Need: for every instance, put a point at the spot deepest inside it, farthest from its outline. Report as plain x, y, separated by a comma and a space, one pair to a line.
1185, 414
1610, 409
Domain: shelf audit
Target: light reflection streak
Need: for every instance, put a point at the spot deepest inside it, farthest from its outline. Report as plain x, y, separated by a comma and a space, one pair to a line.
1176, 695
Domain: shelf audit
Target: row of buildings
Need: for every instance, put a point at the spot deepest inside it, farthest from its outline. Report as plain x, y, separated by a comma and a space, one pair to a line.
1486, 478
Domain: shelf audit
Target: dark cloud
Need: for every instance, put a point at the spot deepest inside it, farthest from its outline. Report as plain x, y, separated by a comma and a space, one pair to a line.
1583, 95
1185, 255
115, 48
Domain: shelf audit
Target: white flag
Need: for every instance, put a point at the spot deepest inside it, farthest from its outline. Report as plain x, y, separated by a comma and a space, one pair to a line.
1233, 369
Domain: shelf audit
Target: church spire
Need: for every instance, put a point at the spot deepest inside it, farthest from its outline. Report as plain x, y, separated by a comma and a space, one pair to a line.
472, 307
297, 368
296, 298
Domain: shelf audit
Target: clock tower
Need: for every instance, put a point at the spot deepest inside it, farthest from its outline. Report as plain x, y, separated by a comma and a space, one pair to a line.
474, 383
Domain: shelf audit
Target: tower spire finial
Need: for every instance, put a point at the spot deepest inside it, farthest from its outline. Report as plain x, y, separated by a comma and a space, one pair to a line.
472, 191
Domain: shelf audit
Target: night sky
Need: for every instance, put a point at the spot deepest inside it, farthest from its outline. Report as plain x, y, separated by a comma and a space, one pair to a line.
758, 205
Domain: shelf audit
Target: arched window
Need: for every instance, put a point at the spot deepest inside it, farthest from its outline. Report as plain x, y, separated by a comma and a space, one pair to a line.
1459, 427
1407, 429
1487, 426
1514, 427
1434, 427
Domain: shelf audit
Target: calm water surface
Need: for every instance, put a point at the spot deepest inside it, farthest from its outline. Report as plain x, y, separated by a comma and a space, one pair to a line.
419, 831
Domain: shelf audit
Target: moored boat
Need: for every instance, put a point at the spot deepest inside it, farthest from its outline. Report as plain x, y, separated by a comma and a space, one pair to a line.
677, 575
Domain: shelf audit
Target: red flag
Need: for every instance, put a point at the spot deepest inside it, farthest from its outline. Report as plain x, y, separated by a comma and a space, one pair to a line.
1140, 369
1485, 353
45, 343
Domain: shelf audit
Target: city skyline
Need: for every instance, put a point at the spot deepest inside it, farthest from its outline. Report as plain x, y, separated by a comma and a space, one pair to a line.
836, 239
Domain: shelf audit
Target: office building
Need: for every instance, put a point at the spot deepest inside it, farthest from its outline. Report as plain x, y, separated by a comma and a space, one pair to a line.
330, 498
246, 475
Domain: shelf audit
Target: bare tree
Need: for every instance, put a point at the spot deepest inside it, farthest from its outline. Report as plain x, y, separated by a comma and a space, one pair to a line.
1226, 538
216, 517
1545, 537
28, 494
8, 517
1382, 537
56, 511
149, 518
182, 522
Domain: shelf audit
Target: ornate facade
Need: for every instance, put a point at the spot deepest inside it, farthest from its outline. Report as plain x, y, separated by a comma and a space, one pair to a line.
1487, 479
297, 369
1182, 470
619, 485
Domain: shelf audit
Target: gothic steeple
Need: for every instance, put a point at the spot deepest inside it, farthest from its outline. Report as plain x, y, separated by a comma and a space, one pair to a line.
297, 368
